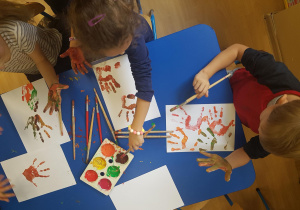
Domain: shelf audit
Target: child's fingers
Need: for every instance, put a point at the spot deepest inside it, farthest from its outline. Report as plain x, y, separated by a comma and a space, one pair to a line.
196, 85
8, 195
65, 54
74, 68
4, 182
213, 168
52, 108
83, 67
62, 87
205, 153
4, 199
47, 107
227, 175
6, 188
80, 69
205, 164
203, 159
88, 64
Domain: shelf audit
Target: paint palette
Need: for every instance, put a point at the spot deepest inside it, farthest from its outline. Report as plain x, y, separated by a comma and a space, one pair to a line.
106, 167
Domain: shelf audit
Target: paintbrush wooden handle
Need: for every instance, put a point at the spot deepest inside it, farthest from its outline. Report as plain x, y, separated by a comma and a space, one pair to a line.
147, 137
90, 136
153, 126
127, 132
60, 120
106, 118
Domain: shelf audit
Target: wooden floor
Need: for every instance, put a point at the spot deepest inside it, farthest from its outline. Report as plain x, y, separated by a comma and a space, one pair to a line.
234, 21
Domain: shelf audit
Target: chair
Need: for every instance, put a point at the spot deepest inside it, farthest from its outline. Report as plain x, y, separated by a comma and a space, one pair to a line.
150, 20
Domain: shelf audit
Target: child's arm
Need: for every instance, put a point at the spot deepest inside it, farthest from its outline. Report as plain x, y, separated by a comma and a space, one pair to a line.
48, 73
142, 107
221, 61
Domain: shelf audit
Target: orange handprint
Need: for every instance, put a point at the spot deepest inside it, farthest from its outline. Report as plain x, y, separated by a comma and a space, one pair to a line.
107, 83
130, 107
32, 172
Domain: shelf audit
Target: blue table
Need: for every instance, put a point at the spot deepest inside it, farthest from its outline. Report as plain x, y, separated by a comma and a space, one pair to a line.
175, 60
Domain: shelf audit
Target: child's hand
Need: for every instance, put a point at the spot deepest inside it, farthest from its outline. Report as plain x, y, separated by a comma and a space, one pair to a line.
135, 141
54, 98
217, 162
77, 60
201, 84
5, 196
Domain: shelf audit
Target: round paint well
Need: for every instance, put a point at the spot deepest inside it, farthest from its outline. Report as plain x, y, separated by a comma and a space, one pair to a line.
91, 175
105, 184
108, 150
99, 163
102, 173
113, 171
110, 161
122, 159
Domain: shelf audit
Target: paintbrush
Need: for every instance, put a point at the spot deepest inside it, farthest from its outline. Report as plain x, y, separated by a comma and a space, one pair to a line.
145, 134
195, 96
147, 137
127, 132
106, 118
73, 128
60, 120
90, 137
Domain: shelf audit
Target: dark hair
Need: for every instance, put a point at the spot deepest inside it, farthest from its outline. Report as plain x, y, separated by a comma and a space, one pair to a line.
118, 24
14, 11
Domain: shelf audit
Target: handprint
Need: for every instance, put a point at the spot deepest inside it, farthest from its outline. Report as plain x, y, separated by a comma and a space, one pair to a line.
29, 94
107, 83
33, 121
32, 172
130, 107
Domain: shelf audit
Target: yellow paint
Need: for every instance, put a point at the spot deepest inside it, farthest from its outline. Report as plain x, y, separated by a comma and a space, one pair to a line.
99, 163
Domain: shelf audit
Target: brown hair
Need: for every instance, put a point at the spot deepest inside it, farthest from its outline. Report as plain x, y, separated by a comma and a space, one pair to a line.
118, 24
15, 11
282, 131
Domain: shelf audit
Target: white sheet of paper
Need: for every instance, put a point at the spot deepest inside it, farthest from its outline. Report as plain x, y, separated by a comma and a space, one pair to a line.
55, 166
153, 190
20, 111
190, 124
122, 76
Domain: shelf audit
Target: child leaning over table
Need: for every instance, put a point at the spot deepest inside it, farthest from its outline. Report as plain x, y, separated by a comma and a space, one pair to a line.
109, 28
25, 48
266, 96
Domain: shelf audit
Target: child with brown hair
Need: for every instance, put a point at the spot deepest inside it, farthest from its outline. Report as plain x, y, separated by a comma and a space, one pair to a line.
266, 96
25, 48
110, 28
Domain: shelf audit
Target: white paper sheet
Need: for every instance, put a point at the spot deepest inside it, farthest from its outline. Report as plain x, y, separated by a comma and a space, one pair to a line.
190, 125
153, 190
49, 162
20, 111
120, 83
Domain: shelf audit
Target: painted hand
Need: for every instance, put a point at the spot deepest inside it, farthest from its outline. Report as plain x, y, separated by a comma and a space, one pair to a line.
78, 61
54, 98
201, 84
217, 162
108, 82
3, 195
135, 141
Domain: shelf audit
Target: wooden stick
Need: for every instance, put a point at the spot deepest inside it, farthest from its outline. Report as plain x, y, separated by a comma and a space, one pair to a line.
60, 120
147, 137
106, 118
73, 128
195, 96
90, 137
127, 132
145, 134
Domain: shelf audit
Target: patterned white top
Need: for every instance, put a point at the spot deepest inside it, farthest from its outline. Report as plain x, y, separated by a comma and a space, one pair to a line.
21, 39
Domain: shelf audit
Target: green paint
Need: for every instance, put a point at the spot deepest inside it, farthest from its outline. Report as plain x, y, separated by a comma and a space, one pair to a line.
13, 151
76, 78
210, 131
30, 121
203, 134
200, 140
225, 147
212, 144
201, 149
113, 171
84, 148
70, 78
33, 99
152, 124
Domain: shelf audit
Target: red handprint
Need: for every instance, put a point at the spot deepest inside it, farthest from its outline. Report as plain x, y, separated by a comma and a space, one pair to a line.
130, 107
32, 172
107, 83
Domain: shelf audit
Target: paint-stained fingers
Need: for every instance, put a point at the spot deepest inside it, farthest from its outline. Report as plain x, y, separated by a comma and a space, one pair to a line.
6, 188
88, 64
7, 195
131, 149
135, 147
52, 107
4, 199
80, 69
83, 67
206, 94
205, 153
4, 182
47, 107
205, 164
74, 68
213, 168
228, 175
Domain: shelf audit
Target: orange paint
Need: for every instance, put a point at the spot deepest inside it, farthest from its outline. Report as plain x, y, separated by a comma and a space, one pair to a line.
184, 139
224, 128
77, 145
32, 172
199, 131
196, 144
26, 92
174, 135
192, 149
174, 149
172, 142
82, 91
108, 150
141, 149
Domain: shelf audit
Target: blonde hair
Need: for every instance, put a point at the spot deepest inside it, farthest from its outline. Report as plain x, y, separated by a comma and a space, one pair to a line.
282, 131
14, 11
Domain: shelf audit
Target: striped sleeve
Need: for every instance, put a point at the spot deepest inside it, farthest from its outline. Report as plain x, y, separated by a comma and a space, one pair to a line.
26, 36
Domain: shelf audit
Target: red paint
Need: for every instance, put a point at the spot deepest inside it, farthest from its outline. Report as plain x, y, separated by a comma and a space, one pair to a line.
123, 99
224, 128
108, 150
109, 78
183, 110
26, 92
105, 184
127, 116
117, 65
215, 110
221, 113
176, 115
197, 126
112, 87
32, 172
91, 175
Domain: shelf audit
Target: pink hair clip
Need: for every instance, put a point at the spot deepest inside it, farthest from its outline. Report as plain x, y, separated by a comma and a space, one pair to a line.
98, 18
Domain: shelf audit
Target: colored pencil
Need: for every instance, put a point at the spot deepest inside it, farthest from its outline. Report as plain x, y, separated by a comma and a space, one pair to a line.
98, 120
73, 128
127, 132
195, 96
60, 120
147, 137
90, 137
145, 134
106, 118
87, 119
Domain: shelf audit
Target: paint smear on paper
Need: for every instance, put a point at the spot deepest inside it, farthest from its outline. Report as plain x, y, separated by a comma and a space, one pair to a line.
104, 81
174, 149
212, 144
127, 107
174, 135
117, 65
32, 172
37, 123
172, 142
29, 94
184, 139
